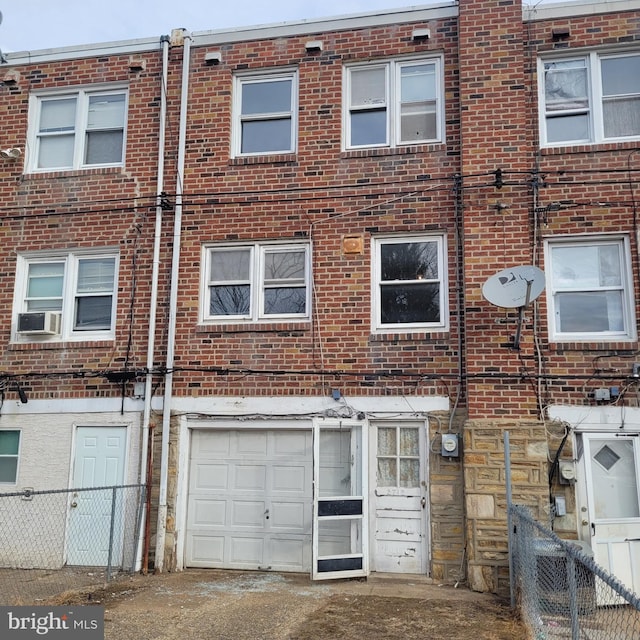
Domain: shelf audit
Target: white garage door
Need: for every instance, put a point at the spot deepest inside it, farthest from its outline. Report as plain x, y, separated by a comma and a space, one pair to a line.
250, 500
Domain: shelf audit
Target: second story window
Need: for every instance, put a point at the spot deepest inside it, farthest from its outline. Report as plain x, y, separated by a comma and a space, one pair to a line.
78, 130
256, 282
590, 98
69, 296
265, 114
410, 284
393, 103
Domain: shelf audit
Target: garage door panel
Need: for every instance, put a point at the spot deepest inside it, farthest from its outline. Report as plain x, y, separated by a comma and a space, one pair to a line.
215, 444
210, 476
247, 514
246, 550
290, 480
250, 443
206, 550
249, 477
288, 515
287, 554
209, 512
290, 444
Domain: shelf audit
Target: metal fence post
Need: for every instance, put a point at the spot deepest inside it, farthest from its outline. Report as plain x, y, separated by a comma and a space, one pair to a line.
507, 468
573, 597
111, 531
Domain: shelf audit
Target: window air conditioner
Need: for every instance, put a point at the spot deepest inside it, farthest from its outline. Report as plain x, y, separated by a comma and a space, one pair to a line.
39, 323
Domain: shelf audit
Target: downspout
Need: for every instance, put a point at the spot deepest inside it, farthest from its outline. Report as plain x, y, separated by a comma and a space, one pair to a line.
143, 548
173, 307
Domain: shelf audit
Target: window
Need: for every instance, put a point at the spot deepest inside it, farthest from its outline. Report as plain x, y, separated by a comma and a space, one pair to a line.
591, 98
79, 287
256, 282
265, 114
393, 103
9, 449
589, 293
78, 130
398, 457
410, 283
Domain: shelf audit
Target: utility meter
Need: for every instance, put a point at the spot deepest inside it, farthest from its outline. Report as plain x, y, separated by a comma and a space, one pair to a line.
567, 472
450, 445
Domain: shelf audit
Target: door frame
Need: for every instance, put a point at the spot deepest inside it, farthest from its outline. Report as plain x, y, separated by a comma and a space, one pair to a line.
423, 424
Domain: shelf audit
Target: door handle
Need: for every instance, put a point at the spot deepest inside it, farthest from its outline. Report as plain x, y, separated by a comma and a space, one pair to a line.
74, 504
593, 528
266, 514
423, 502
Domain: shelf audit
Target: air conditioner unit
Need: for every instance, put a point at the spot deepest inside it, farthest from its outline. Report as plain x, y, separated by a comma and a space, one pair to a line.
39, 323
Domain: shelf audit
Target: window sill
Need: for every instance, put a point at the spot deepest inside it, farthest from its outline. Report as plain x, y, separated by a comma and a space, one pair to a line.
53, 345
275, 158
418, 336
588, 147
254, 327
560, 347
392, 151
70, 173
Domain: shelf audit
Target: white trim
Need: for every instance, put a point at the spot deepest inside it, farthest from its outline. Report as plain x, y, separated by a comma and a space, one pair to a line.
537, 11
609, 418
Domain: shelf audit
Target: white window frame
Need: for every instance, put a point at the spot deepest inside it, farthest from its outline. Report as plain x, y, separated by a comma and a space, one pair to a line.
256, 282
242, 80
80, 129
16, 456
376, 281
392, 102
629, 331
70, 260
594, 109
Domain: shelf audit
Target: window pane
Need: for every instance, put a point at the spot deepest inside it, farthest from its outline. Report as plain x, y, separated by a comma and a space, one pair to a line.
231, 300
410, 303
230, 265
568, 128
589, 312
409, 261
368, 87
368, 127
620, 76
56, 151
418, 83
621, 117
281, 300
387, 441
9, 442
93, 313
418, 122
409, 439
57, 115
409, 473
266, 136
45, 279
104, 147
106, 112
387, 472
8, 469
286, 265
96, 275
270, 96
565, 85
586, 267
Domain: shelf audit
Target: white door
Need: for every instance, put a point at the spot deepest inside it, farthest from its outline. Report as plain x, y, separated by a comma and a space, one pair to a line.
249, 503
340, 526
99, 461
612, 471
399, 528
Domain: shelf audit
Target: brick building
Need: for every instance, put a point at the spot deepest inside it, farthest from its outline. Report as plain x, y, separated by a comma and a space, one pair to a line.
259, 256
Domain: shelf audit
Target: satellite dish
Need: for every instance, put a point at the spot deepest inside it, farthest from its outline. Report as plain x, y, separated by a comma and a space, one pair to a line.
514, 287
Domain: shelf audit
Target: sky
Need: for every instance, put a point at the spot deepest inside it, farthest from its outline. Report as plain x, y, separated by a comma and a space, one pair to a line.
28, 25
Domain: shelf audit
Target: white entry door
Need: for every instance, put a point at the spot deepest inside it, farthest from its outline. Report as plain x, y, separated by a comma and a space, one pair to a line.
249, 502
399, 528
99, 461
612, 471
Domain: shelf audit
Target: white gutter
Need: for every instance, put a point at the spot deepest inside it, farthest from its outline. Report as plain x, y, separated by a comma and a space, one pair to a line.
153, 301
173, 306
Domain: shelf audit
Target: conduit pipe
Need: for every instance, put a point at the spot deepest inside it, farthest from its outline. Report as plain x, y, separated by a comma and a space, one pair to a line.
143, 545
173, 306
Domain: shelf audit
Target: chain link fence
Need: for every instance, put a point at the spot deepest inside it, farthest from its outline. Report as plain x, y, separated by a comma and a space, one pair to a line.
561, 592
52, 542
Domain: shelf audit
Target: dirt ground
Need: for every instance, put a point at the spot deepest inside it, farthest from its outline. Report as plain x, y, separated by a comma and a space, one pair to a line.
229, 605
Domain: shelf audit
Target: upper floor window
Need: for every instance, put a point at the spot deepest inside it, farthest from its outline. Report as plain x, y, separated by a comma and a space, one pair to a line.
9, 450
256, 282
590, 98
265, 118
589, 290
393, 103
78, 130
410, 283
66, 295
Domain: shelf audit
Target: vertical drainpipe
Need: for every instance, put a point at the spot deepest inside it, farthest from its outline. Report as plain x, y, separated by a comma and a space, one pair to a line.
153, 302
173, 305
